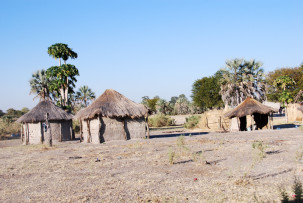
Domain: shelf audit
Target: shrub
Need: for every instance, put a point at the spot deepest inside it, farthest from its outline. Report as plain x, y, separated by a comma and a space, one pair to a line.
76, 126
260, 147
192, 122
160, 120
9, 128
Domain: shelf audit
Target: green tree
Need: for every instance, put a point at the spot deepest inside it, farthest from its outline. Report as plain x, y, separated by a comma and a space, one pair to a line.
63, 80
40, 84
61, 51
182, 105
240, 79
150, 103
274, 93
205, 93
1, 113
285, 83
85, 95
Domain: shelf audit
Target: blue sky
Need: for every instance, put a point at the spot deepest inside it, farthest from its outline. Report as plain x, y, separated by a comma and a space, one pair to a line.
143, 47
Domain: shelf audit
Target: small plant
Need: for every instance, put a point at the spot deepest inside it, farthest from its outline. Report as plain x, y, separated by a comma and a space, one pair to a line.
192, 122
297, 189
299, 154
284, 195
258, 145
181, 143
171, 156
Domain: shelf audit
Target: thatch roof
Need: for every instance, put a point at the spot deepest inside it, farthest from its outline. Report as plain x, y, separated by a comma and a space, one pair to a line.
37, 114
112, 104
248, 107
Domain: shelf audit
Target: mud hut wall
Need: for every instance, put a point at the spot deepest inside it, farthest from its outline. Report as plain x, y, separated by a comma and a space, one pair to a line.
293, 113
34, 130
94, 130
55, 130
66, 130
84, 130
112, 129
136, 127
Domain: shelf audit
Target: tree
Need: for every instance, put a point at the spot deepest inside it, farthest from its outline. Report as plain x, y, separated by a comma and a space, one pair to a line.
182, 105
296, 74
85, 95
240, 79
205, 93
40, 84
150, 103
284, 83
63, 80
1, 113
61, 51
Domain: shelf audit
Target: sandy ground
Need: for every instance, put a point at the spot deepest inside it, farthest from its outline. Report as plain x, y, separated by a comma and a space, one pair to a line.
210, 167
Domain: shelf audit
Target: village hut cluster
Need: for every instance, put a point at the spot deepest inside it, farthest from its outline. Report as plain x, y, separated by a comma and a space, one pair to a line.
111, 117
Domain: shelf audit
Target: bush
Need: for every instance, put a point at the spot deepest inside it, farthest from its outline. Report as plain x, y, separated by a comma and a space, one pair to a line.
160, 120
192, 122
76, 126
9, 128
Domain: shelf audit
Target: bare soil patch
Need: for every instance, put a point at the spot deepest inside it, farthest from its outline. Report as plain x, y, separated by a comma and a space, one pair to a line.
213, 167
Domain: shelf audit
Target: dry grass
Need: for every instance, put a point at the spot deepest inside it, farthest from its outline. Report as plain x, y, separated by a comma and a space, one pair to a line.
139, 170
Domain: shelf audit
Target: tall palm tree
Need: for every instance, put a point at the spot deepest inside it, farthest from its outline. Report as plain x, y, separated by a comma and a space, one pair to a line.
85, 95
240, 79
39, 84
61, 51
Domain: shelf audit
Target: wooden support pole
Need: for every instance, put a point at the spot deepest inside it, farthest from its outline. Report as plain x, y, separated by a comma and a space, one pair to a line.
49, 139
21, 134
81, 133
27, 135
60, 135
88, 131
124, 128
99, 131
147, 128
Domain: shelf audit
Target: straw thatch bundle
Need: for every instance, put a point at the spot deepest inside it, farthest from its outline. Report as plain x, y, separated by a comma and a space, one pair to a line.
37, 114
113, 104
249, 107
300, 108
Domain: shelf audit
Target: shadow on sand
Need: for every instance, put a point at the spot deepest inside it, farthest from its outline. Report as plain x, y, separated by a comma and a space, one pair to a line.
284, 126
177, 135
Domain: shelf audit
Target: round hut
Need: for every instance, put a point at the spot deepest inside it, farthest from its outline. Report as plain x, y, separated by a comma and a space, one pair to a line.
33, 123
112, 116
259, 113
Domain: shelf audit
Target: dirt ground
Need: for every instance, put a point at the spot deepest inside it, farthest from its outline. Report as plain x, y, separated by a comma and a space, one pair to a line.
209, 167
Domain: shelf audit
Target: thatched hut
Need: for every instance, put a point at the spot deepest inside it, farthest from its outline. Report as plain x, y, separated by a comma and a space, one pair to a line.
112, 117
33, 123
259, 113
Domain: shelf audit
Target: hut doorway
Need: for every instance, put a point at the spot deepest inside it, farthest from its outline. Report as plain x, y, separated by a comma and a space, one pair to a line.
261, 120
243, 123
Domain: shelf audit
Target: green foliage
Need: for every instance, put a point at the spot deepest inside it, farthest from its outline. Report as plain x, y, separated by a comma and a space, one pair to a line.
85, 95
182, 105
61, 51
205, 93
150, 103
284, 195
40, 84
160, 120
192, 121
171, 156
295, 73
285, 84
76, 126
1, 113
8, 127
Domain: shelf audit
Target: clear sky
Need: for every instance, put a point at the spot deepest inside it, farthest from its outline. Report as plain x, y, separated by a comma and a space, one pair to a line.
143, 47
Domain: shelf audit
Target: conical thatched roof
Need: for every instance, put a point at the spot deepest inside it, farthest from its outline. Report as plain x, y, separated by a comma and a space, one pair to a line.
248, 107
113, 104
37, 114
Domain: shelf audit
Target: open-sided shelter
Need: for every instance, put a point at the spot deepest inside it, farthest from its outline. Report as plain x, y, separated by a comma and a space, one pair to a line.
33, 123
260, 114
112, 116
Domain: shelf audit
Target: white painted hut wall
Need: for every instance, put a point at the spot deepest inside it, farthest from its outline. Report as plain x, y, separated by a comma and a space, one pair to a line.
94, 130
34, 130
84, 130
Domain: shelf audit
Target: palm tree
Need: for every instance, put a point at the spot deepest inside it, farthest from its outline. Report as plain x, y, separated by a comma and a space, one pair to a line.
61, 51
39, 84
85, 95
240, 79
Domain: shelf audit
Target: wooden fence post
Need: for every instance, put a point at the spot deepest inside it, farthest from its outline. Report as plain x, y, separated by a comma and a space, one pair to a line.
48, 133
